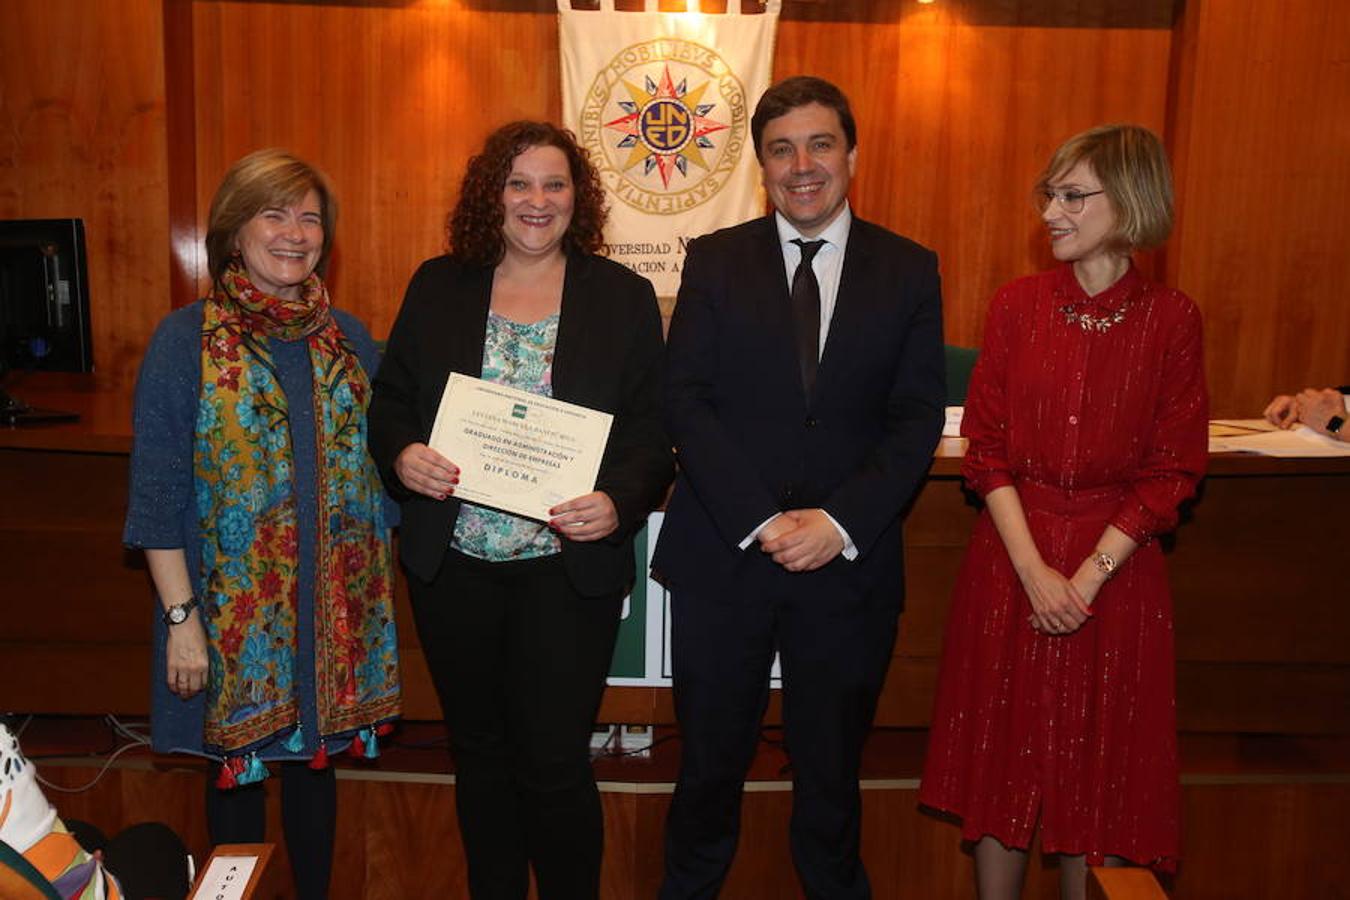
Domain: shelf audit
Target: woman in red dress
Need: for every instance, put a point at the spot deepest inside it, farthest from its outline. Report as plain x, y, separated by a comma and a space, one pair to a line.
1087, 424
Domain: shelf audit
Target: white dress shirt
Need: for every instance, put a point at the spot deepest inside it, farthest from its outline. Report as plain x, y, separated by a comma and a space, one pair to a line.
828, 265
828, 262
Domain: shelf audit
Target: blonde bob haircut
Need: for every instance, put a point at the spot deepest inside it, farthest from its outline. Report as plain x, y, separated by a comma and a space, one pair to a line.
1131, 164
264, 179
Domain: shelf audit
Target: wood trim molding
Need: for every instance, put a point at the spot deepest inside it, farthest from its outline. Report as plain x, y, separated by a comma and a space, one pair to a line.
180, 109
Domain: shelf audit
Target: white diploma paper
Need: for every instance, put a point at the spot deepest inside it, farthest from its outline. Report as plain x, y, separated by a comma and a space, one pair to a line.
518, 451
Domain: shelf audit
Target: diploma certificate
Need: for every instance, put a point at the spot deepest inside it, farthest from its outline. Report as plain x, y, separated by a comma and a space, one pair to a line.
517, 451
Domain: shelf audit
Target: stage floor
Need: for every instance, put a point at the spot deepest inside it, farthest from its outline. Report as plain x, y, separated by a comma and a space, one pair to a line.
1263, 815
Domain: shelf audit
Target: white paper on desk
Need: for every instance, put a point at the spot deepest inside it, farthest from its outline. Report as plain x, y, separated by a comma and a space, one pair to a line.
1300, 441
226, 878
951, 426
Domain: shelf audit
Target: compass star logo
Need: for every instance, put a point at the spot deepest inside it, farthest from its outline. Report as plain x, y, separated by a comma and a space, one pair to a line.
665, 126
665, 121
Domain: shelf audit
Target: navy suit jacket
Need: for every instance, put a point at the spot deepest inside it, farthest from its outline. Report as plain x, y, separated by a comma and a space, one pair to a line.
608, 357
748, 440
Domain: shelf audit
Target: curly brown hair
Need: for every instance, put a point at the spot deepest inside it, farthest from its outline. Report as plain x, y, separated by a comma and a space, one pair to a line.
475, 225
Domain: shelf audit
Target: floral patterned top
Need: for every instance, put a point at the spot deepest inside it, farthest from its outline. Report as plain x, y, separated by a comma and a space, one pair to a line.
519, 355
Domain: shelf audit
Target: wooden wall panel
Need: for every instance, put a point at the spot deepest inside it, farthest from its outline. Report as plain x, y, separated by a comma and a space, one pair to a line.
1263, 152
958, 104
1259, 840
187, 254
389, 101
82, 136
950, 136
956, 118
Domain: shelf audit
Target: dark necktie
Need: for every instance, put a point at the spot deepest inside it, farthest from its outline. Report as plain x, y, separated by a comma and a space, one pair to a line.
806, 312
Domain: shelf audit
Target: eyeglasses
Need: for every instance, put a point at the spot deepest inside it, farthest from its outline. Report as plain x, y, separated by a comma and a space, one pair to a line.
1069, 201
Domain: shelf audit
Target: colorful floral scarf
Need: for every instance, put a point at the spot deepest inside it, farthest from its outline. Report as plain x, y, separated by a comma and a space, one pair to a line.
243, 467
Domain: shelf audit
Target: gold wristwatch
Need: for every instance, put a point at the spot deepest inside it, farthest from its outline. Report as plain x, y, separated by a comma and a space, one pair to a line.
1105, 562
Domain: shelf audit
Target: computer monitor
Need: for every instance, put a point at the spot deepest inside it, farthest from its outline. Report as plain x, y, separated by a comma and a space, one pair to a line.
44, 296
44, 305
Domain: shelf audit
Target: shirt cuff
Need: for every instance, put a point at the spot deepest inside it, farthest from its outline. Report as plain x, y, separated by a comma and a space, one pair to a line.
754, 535
850, 551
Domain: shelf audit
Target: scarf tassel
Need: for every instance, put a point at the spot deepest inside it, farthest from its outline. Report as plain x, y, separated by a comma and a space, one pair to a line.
365, 745
296, 742
238, 771
226, 780
372, 745
320, 760
254, 771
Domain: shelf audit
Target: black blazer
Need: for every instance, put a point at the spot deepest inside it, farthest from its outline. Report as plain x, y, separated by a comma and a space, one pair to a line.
608, 357
750, 443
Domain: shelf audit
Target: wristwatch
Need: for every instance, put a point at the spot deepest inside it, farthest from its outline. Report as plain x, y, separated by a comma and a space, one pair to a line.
1334, 424
1105, 562
179, 612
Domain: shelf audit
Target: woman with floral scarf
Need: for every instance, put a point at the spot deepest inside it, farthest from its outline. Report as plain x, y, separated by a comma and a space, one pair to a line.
263, 521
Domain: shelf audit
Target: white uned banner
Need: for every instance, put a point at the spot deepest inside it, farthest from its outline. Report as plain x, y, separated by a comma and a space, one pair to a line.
662, 101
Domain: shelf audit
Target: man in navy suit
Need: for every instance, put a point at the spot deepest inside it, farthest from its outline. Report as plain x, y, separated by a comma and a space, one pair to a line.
804, 395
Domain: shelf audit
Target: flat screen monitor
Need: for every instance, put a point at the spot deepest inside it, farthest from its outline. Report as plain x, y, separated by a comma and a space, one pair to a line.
44, 296
44, 309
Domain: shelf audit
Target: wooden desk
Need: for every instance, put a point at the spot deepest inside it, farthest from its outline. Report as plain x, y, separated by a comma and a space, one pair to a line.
1261, 623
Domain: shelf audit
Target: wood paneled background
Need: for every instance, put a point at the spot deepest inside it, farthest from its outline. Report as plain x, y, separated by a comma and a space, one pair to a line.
82, 124
127, 114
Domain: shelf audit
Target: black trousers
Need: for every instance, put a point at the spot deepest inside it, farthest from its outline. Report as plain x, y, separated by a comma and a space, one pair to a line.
835, 641
519, 660
308, 817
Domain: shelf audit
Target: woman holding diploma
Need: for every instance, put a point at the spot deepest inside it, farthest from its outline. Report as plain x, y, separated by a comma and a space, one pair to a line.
517, 617
1087, 424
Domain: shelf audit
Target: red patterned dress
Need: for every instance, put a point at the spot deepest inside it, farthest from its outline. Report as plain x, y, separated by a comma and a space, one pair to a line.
1077, 732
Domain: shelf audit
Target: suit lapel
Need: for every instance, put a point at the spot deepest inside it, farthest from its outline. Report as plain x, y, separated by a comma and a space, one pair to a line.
774, 299
769, 270
850, 303
467, 312
575, 329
